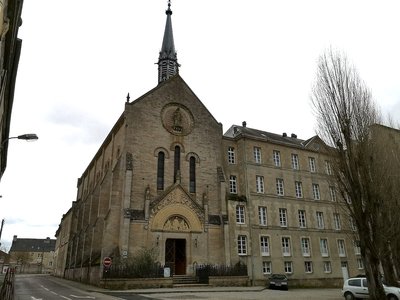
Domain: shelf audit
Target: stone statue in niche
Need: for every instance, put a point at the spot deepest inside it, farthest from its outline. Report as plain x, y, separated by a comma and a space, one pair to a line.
177, 118
176, 224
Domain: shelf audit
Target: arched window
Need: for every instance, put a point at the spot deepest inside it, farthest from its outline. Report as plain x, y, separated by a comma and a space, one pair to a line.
177, 161
160, 170
192, 174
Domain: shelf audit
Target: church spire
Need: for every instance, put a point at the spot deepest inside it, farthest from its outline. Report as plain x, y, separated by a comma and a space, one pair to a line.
167, 61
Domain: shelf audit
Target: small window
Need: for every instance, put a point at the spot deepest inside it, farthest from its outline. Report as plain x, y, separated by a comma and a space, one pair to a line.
242, 245
323, 243
260, 184
308, 267
311, 162
288, 267
316, 194
279, 187
298, 189
264, 245
327, 267
332, 192
305, 247
240, 216
160, 170
232, 184
360, 264
257, 155
302, 218
277, 158
320, 220
283, 217
192, 174
267, 267
341, 248
295, 162
231, 155
357, 247
286, 246
328, 167
262, 215
336, 220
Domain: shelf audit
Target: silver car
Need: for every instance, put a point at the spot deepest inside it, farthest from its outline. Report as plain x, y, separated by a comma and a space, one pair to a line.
357, 288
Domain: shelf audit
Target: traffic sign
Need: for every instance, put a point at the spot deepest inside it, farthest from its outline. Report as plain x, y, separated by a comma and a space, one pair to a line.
107, 261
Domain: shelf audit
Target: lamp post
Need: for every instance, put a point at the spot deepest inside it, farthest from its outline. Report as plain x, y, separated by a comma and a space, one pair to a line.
26, 137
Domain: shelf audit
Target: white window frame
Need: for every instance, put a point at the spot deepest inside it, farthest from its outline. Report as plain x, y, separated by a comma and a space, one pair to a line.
305, 244
265, 249
257, 155
288, 266
311, 162
328, 167
233, 184
286, 247
332, 192
283, 217
357, 247
320, 220
298, 186
295, 161
260, 184
276, 155
231, 156
336, 221
308, 267
341, 247
316, 192
240, 214
360, 264
262, 215
324, 247
302, 218
327, 267
242, 245
280, 189
267, 267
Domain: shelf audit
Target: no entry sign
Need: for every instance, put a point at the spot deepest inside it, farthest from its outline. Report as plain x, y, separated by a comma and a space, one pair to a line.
107, 261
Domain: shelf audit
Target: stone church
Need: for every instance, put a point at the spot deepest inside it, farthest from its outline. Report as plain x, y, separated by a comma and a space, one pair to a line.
166, 177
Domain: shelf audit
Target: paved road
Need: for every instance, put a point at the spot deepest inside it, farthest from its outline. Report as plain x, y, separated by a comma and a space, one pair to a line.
45, 287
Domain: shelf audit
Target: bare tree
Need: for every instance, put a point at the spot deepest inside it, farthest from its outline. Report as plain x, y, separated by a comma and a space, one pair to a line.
345, 111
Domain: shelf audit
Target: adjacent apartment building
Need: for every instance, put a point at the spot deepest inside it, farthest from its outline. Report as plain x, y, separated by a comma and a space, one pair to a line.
167, 178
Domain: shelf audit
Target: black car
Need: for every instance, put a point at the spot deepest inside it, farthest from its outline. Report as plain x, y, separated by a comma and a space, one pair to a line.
278, 281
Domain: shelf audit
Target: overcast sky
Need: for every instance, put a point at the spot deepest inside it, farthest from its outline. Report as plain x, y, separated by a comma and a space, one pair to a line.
252, 60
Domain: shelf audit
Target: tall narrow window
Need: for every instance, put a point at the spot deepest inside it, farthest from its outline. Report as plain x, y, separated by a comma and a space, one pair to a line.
285, 246
332, 192
264, 244
259, 184
277, 158
262, 215
283, 217
192, 174
295, 162
279, 187
311, 161
232, 184
323, 244
299, 189
160, 170
240, 214
257, 155
177, 162
336, 221
328, 167
305, 246
320, 220
242, 245
341, 248
231, 155
315, 189
302, 218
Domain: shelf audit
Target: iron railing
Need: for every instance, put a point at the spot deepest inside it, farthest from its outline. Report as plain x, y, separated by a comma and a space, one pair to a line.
7, 289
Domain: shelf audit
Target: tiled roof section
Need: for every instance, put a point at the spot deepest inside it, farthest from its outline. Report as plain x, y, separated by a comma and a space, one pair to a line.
33, 245
287, 139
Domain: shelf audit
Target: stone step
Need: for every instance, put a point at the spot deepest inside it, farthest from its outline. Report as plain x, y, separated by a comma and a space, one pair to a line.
184, 279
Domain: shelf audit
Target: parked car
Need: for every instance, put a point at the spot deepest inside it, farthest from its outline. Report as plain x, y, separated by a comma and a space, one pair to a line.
357, 288
278, 281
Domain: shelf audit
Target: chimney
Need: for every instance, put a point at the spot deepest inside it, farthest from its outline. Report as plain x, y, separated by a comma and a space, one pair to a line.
244, 123
294, 136
14, 238
284, 134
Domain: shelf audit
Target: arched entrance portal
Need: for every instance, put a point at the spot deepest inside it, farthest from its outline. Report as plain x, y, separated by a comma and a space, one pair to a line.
175, 255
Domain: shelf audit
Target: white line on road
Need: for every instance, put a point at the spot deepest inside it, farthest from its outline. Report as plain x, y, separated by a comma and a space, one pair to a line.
65, 297
33, 298
83, 297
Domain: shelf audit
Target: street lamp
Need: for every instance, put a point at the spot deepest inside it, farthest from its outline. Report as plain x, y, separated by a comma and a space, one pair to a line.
26, 137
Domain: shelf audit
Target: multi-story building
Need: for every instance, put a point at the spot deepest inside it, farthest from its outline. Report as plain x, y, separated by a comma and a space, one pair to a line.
10, 49
32, 255
167, 178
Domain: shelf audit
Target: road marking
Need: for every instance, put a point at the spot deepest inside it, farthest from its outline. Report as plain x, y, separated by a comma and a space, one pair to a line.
65, 297
33, 298
83, 297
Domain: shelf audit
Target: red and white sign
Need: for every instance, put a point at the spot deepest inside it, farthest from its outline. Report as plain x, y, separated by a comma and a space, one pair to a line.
107, 261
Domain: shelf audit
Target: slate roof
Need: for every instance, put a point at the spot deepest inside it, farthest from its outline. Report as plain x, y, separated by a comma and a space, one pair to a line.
33, 245
236, 131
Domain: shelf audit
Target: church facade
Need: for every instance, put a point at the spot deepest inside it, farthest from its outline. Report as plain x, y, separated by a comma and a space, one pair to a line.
167, 178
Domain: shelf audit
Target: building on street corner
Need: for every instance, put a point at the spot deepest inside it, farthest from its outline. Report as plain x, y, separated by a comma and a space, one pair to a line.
167, 178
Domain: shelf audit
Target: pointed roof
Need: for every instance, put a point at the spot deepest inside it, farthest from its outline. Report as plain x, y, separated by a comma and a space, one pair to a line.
167, 61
